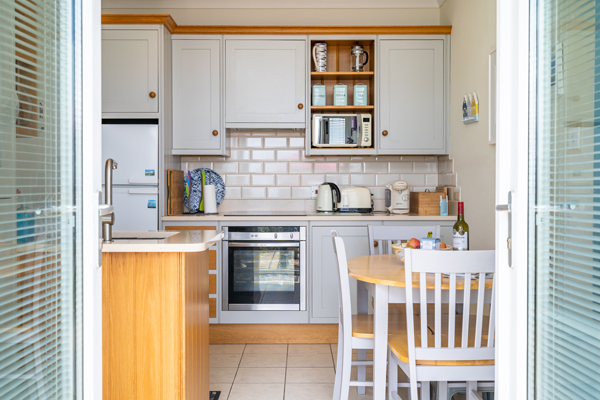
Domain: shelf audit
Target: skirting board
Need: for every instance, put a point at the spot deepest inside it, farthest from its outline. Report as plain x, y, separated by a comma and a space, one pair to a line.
272, 333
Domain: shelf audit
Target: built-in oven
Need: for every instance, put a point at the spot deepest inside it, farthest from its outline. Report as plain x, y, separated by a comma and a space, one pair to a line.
264, 268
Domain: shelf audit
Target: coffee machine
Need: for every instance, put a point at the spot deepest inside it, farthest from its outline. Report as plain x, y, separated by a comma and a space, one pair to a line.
397, 197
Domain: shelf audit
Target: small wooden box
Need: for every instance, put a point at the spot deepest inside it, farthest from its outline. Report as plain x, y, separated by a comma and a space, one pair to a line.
426, 203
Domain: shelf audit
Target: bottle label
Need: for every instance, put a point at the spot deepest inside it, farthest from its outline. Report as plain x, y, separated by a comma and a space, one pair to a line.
460, 240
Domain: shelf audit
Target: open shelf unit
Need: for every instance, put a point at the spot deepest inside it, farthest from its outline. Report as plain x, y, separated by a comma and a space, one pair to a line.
339, 71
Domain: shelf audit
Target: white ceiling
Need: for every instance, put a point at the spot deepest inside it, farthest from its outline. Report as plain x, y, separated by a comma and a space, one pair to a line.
271, 3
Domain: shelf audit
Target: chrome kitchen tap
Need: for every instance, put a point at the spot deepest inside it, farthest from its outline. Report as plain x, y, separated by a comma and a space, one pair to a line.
108, 214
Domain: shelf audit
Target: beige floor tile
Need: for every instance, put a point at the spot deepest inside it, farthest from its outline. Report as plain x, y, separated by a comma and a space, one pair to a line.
222, 375
310, 375
224, 360
310, 360
224, 388
306, 391
249, 391
354, 373
353, 394
309, 349
260, 375
226, 348
266, 348
263, 360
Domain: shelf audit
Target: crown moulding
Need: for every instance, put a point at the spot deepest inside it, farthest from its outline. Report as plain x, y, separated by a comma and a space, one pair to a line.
171, 25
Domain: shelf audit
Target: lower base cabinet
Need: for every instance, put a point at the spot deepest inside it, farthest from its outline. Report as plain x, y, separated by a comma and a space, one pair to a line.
324, 296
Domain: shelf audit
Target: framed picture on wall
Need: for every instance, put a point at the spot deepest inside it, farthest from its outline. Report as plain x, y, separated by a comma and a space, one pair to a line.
492, 99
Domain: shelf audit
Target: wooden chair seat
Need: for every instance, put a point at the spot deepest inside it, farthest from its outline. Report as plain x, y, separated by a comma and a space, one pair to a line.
362, 324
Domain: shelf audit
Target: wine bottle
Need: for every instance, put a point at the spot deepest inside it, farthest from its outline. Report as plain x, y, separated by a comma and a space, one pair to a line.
460, 231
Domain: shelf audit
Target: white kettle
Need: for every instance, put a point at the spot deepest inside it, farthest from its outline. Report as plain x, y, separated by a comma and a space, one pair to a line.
328, 197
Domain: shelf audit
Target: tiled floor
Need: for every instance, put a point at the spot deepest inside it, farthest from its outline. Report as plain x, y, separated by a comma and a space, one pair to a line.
276, 372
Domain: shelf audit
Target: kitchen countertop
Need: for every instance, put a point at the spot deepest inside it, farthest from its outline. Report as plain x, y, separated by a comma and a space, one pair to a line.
311, 217
161, 241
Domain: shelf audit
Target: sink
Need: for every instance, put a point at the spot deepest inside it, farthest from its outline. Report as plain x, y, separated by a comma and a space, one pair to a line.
141, 235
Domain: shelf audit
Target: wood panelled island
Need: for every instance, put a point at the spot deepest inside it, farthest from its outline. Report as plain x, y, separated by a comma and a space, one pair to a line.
155, 314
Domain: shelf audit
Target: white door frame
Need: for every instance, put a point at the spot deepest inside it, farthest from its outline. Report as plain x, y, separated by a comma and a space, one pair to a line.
91, 164
513, 30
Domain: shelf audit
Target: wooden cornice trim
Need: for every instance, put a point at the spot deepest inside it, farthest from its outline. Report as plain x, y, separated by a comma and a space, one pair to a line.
171, 25
140, 19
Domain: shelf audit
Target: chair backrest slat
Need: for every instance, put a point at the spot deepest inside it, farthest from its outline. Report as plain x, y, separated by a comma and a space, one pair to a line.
385, 235
345, 309
450, 270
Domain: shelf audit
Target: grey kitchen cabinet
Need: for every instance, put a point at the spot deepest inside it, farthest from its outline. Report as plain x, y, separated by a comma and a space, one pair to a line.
413, 96
265, 83
130, 70
324, 291
196, 72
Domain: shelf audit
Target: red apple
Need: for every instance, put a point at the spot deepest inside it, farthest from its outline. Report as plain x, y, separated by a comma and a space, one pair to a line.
413, 243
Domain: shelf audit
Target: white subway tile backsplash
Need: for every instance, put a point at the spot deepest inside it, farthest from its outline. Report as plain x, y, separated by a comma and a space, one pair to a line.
431, 180
233, 193
250, 167
240, 155
234, 143
301, 168
197, 164
326, 168
250, 142
425, 167
254, 193
351, 167
263, 155
377, 192
238, 180
222, 167
301, 193
386, 179
362, 180
312, 180
296, 142
276, 168
414, 179
287, 180
288, 155
401, 167
376, 167
279, 192
276, 142
263, 180
412, 158
338, 179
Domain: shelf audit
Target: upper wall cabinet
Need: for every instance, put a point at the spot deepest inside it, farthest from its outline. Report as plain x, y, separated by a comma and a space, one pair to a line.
130, 71
413, 95
197, 97
265, 83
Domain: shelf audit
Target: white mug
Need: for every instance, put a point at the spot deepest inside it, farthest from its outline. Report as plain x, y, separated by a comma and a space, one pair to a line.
319, 53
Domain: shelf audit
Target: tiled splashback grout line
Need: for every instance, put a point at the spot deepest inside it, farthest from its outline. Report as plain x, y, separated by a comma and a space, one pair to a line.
273, 166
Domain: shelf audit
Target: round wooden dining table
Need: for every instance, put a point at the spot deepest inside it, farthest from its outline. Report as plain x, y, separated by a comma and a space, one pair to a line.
382, 276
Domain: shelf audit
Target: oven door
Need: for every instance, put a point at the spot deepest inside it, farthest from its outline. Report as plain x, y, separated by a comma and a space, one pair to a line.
264, 276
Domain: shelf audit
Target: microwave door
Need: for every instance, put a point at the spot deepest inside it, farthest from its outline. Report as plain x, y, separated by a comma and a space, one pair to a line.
324, 137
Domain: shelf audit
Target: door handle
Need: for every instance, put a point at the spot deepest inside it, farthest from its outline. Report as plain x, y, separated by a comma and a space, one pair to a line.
508, 208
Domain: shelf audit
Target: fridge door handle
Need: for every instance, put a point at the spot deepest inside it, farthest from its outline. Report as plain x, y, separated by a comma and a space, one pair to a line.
143, 191
143, 181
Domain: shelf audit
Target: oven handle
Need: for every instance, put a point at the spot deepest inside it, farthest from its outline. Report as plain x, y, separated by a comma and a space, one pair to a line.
262, 244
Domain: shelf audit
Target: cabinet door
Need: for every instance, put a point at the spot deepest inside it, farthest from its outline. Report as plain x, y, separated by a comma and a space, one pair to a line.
196, 95
324, 301
412, 97
265, 81
130, 71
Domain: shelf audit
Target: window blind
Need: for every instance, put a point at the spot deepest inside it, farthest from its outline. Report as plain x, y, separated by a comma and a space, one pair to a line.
565, 158
40, 233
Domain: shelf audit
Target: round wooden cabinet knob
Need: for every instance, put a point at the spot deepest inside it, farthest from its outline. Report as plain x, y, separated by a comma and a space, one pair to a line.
300, 106
152, 95
215, 133
375, 243
384, 133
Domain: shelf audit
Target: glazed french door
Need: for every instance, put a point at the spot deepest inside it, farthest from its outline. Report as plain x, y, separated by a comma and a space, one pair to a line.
40, 200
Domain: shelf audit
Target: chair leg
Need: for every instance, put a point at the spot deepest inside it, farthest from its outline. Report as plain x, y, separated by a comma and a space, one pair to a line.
362, 370
442, 390
472, 391
346, 367
425, 391
392, 374
338, 369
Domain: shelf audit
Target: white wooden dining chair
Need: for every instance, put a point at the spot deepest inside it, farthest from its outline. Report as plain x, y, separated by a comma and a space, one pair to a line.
381, 237
355, 331
454, 347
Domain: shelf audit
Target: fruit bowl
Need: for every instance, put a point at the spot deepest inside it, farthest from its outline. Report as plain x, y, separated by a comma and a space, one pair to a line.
398, 250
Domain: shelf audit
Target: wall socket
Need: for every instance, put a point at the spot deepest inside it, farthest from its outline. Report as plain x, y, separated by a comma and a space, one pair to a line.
314, 190
573, 135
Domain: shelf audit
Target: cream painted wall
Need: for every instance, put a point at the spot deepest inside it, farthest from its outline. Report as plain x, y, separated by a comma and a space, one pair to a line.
473, 38
336, 17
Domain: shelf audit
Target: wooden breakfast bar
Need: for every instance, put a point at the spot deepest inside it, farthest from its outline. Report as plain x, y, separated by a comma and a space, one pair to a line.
382, 276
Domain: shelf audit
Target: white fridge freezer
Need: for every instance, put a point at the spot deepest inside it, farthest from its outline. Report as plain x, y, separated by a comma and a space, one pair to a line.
133, 146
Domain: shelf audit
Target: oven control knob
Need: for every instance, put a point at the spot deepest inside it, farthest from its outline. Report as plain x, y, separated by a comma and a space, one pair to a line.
275, 235
291, 235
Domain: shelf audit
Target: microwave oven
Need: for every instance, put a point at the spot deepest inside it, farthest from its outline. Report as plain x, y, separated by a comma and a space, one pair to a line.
341, 130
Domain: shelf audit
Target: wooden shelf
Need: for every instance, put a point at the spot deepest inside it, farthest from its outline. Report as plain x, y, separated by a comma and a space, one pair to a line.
342, 74
341, 108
